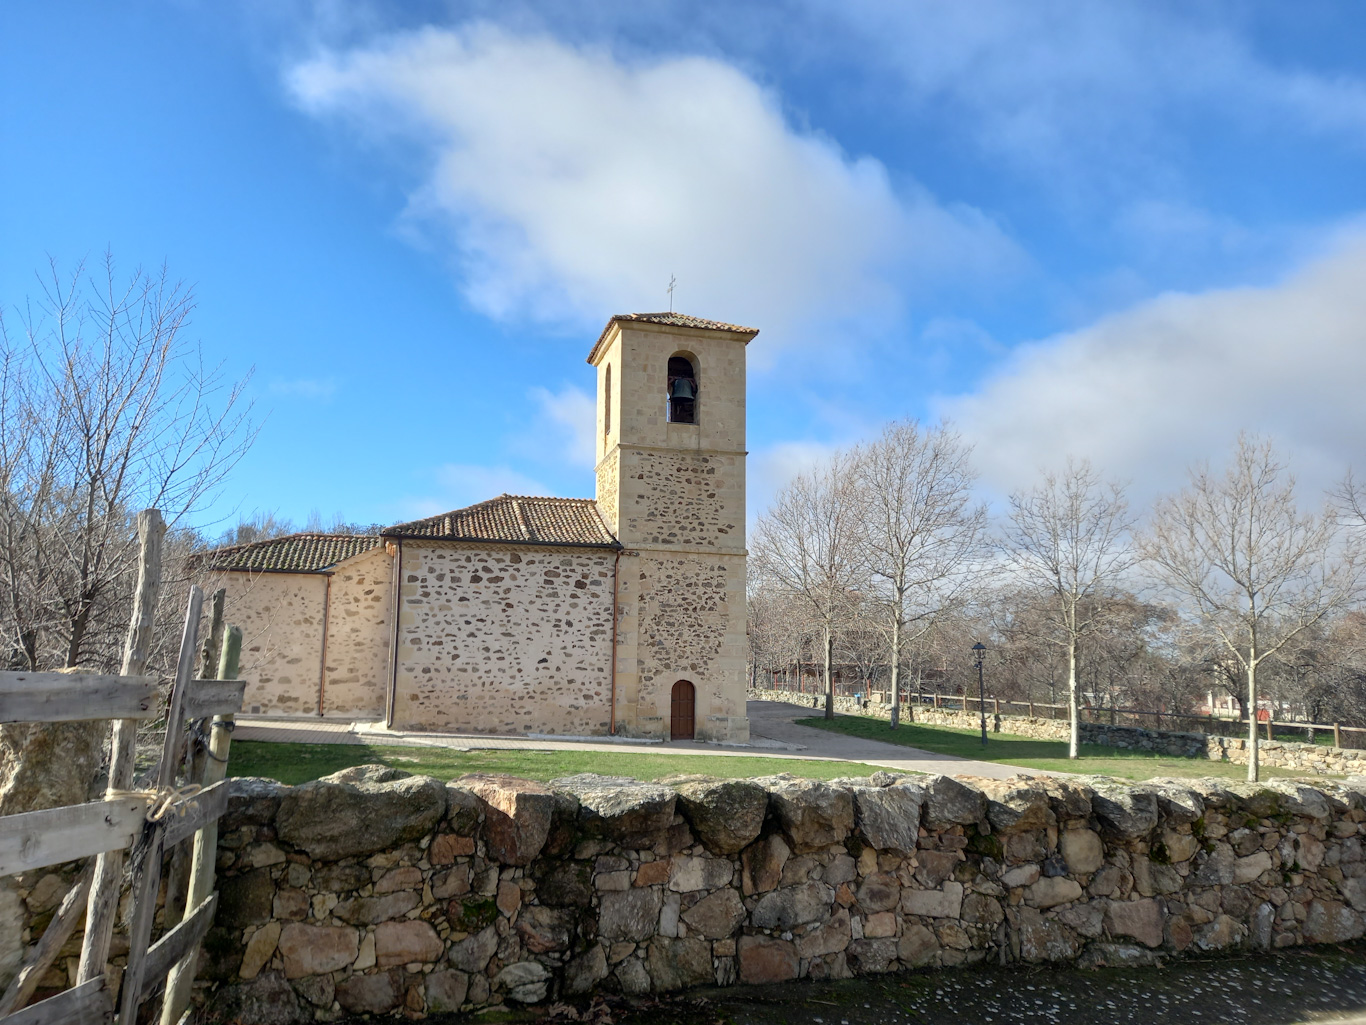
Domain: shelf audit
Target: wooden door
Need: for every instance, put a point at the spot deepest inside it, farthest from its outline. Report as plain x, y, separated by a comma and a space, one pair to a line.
681, 711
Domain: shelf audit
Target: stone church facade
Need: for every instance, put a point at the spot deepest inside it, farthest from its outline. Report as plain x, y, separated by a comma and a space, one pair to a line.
524, 615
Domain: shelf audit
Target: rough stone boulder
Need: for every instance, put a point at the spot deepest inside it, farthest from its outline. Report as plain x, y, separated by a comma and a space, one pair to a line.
1179, 804
252, 801
951, 802
265, 1000
1256, 799
517, 814
47, 765
1069, 799
726, 814
333, 818
791, 906
1130, 812
813, 813
1016, 806
526, 981
627, 811
1041, 938
1301, 800
679, 964
463, 808
889, 817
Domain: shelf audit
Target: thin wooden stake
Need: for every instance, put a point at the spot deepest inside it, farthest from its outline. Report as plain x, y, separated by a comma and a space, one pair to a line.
104, 891
178, 877
206, 840
45, 951
147, 850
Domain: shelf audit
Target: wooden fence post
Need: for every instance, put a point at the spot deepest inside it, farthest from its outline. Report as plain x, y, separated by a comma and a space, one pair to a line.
147, 848
1337, 734
103, 903
206, 840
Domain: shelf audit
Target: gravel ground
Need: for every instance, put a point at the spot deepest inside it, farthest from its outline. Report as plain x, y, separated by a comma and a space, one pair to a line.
1319, 986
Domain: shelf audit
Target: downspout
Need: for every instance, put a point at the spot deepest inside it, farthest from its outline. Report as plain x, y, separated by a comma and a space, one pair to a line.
616, 567
322, 667
393, 642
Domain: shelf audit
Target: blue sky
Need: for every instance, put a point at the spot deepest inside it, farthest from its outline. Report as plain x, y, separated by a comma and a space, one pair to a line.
1123, 231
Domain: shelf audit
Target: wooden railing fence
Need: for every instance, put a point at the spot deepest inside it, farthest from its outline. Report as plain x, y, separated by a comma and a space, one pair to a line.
183, 802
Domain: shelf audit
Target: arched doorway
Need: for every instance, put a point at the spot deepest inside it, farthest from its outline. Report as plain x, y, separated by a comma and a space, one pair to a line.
681, 706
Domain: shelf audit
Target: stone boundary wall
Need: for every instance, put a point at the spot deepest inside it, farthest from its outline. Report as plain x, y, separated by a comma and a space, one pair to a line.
1281, 754
372, 891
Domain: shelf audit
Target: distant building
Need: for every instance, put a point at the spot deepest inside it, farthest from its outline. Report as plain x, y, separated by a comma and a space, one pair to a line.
503, 617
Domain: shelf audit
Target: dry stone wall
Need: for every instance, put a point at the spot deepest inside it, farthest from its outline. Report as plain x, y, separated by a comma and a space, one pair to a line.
503, 639
1314, 758
374, 892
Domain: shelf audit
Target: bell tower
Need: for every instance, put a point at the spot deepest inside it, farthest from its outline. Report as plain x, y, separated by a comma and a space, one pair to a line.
671, 486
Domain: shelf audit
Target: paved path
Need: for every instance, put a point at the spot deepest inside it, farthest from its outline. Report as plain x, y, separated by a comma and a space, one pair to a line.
773, 734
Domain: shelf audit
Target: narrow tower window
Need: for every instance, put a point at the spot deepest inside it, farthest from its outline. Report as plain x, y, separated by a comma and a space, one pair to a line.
607, 402
682, 391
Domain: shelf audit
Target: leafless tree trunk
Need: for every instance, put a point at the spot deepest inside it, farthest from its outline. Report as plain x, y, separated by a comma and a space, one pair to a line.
808, 545
921, 532
1258, 571
105, 408
1069, 538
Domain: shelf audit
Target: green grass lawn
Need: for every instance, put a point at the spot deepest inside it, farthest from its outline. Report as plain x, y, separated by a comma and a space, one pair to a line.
298, 763
1030, 753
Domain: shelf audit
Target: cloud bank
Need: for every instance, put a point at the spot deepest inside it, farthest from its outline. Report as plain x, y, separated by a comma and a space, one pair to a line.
567, 183
1146, 392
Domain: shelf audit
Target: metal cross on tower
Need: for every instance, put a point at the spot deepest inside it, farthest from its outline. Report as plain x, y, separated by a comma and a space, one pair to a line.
672, 282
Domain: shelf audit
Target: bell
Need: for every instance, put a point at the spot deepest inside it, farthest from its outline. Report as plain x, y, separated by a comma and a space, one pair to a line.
683, 388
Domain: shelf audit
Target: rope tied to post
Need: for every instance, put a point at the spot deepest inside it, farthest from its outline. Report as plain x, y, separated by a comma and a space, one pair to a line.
161, 801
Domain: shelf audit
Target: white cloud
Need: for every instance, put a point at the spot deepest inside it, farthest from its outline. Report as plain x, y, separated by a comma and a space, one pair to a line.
1097, 95
1146, 392
769, 469
569, 416
460, 484
573, 184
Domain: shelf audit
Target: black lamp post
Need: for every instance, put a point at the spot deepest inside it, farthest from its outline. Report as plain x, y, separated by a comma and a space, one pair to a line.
979, 653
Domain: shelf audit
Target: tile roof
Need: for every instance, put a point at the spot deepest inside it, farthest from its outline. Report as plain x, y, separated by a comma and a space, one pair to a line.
294, 553
671, 320
517, 519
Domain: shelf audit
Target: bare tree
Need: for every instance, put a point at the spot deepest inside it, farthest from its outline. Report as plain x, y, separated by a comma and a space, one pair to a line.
1255, 568
105, 408
921, 534
807, 544
1069, 537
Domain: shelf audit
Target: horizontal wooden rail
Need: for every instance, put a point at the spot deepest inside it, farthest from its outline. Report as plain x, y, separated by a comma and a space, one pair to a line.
36, 839
72, 697
214, 697
204, 807
175, 945
86, 1004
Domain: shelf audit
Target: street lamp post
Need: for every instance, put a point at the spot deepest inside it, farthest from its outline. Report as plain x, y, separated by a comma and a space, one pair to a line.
979, 653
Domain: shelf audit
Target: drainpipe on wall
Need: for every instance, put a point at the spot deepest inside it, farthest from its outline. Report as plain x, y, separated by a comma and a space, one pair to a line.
393, 649
616, 566
322, 666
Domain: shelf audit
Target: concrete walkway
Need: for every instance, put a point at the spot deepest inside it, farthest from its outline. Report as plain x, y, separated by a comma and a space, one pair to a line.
773, 734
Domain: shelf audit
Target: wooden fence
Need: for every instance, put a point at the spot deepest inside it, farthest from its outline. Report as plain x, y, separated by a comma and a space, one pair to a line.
183, 802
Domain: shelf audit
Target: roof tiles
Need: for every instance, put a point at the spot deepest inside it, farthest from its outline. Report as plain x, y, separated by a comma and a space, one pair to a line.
517, 519
671, 320
294, 553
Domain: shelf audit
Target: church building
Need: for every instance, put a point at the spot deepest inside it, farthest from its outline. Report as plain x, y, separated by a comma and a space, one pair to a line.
623, 614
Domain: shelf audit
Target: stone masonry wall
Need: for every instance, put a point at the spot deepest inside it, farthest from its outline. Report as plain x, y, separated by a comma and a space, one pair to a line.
682, 498
504, 639
1281, 754
281, 616
358, 636
374, 892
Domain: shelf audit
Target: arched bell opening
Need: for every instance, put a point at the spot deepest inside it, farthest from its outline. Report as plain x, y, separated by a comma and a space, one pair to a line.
682, 390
